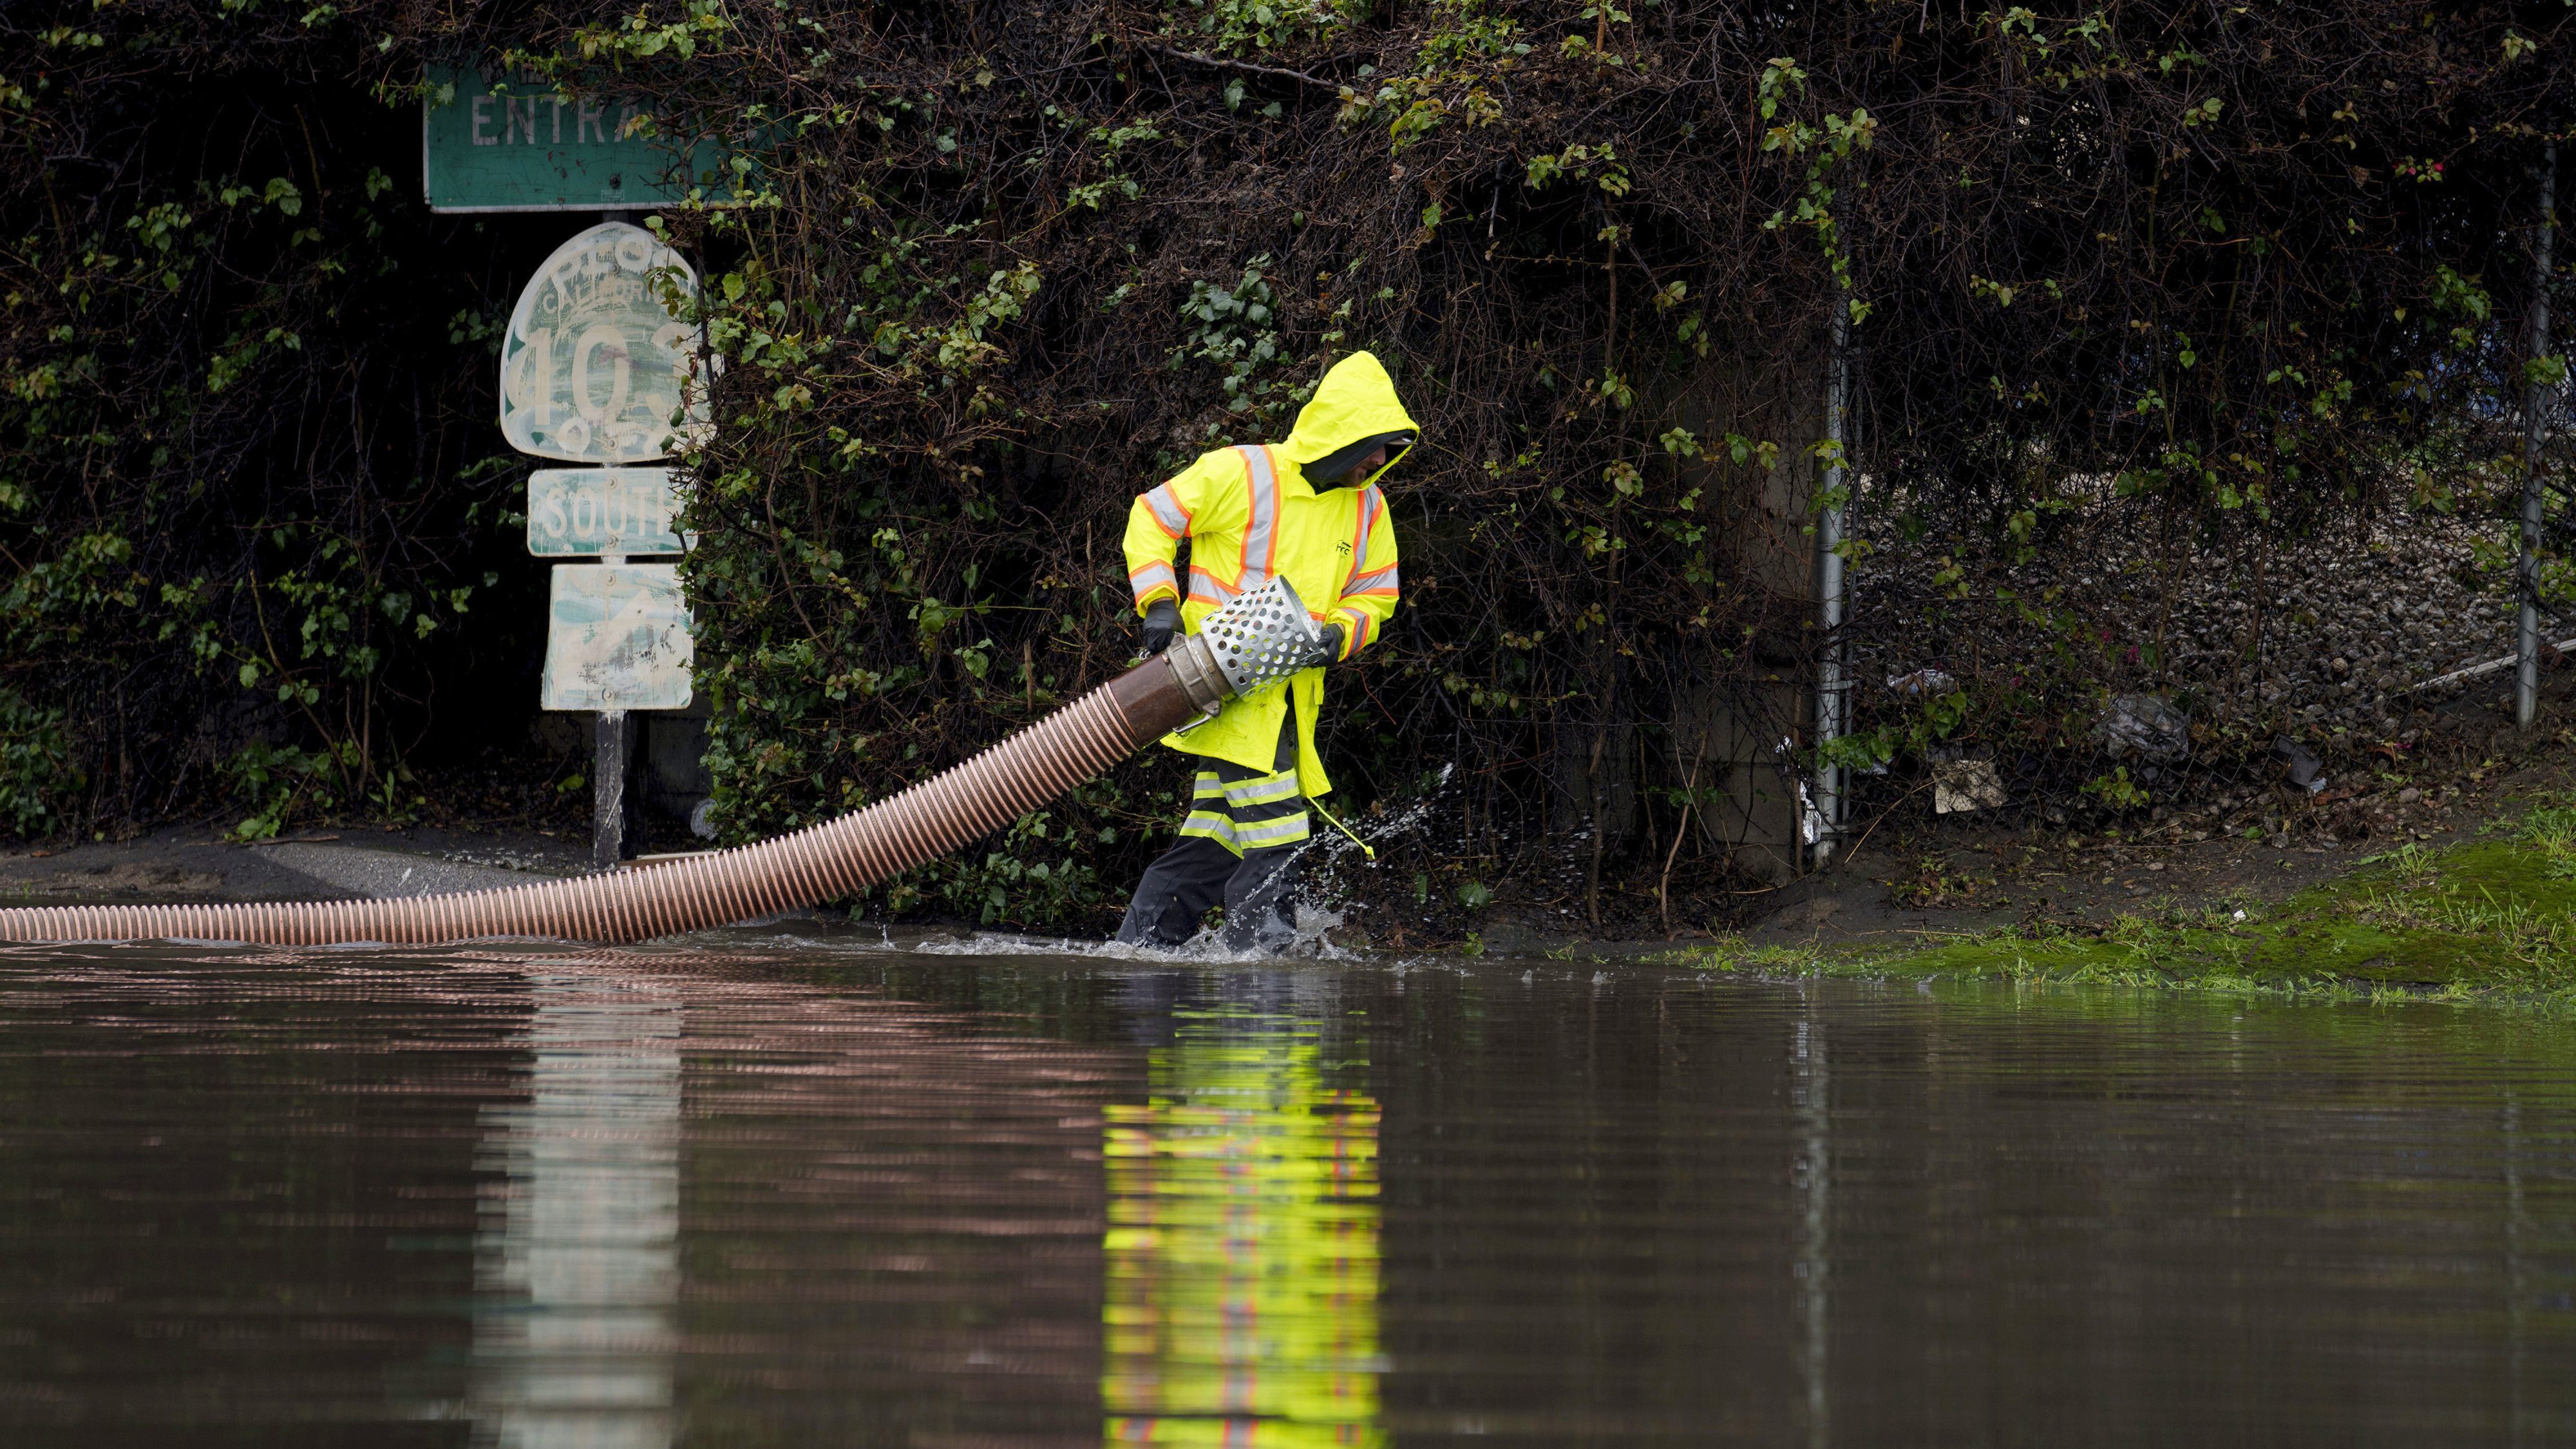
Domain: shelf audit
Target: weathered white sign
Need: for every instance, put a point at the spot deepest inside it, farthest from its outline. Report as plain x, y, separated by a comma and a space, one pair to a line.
594, 368
578, 511
617, 638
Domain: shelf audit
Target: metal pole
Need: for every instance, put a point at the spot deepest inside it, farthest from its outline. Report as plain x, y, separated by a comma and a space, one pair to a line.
610, 758
1832, 688
2535, 401
608, 790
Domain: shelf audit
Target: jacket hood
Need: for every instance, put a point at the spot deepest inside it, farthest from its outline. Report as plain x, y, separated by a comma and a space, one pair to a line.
1356, 400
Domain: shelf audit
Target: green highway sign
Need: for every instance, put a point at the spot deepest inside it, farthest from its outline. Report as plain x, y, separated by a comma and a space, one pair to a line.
515, 143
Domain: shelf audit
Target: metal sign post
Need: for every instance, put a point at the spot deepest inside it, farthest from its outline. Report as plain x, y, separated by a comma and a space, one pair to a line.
612, 759
2536, 398
612, 752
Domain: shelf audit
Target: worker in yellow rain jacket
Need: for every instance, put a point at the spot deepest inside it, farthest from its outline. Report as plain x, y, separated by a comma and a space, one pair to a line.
1309, 509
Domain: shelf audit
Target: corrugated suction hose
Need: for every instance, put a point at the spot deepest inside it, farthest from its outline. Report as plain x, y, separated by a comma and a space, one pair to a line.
1258, 639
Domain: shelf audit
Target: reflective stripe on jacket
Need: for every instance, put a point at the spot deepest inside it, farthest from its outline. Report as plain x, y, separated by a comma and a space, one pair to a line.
1248, 514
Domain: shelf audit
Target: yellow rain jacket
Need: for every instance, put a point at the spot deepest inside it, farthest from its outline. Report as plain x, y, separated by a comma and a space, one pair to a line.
1247, 514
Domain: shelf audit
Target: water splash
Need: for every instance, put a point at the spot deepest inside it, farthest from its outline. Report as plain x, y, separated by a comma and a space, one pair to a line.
1319, 904
1311, 941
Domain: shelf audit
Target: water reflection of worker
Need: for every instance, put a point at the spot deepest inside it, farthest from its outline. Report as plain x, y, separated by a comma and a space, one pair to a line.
1242, 1251
1308, 509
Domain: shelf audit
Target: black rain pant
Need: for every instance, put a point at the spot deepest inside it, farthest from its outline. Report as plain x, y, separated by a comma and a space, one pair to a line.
1238, 849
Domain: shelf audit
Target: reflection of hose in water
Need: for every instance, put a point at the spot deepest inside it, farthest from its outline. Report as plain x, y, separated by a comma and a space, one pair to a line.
1259, 639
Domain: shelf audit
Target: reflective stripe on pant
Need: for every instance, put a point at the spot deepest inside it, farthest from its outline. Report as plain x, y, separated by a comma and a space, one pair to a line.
1238, 848
1247, 812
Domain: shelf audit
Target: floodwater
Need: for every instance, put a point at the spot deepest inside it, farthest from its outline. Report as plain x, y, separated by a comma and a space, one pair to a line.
764, 1191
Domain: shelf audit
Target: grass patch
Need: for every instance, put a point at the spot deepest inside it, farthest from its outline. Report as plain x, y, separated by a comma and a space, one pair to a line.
2492, 920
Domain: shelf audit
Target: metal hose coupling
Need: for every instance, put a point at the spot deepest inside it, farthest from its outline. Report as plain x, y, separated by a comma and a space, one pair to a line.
1259, 639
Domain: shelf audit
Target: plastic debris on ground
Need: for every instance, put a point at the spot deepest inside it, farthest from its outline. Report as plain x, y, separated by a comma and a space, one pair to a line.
2146, 726
1961, 785
2299, 764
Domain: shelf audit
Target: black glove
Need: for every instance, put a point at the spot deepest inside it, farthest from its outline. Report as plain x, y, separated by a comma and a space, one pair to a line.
1333, 637
1162, 621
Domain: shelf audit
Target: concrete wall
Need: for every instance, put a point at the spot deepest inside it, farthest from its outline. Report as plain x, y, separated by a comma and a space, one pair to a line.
1753, 692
